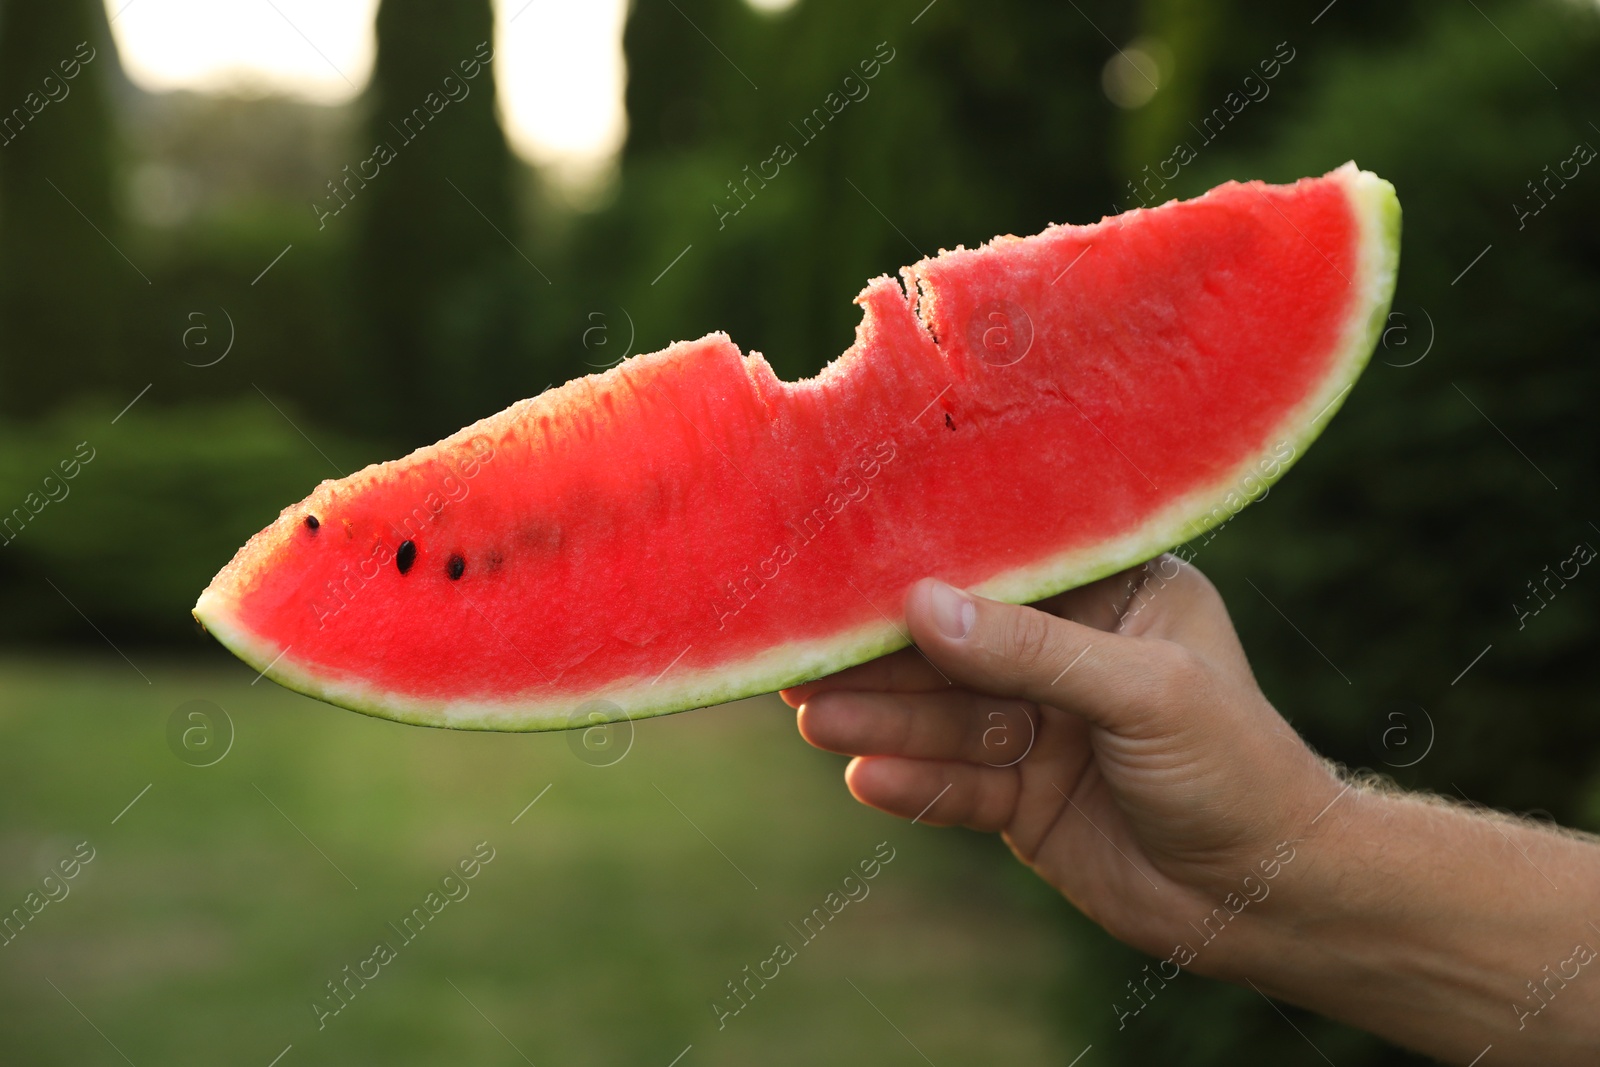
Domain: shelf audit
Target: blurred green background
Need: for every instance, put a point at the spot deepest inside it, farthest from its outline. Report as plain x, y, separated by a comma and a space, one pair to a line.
220, 903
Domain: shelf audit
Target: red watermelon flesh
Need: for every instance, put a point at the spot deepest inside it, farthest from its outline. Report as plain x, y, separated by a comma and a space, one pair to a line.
686, 529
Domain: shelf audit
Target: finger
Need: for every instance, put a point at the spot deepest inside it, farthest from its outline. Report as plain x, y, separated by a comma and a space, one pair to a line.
1175, 601
1100, 604
952, 725
1115, 681
933, 792
904, 671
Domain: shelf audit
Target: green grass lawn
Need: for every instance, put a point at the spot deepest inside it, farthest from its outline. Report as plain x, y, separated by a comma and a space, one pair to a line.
601, 932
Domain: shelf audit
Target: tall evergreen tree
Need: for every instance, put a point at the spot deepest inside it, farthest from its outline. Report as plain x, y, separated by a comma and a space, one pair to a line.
801, 153
61, 276
437, 280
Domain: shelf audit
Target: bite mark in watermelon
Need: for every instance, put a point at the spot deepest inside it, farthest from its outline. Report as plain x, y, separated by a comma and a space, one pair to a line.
686, 529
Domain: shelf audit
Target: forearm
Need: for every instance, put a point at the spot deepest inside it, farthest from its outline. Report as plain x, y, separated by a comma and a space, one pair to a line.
1438, 928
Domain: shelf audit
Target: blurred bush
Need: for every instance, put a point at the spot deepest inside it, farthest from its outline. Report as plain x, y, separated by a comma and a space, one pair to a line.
165, 497
62, 290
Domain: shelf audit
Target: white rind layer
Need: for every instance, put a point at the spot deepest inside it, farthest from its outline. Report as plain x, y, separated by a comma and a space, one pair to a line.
680, 688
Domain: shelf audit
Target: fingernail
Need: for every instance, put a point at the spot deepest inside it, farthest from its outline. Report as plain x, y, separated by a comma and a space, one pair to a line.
953, 611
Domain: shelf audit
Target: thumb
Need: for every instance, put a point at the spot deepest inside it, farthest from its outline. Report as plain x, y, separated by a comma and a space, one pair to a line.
1112, 680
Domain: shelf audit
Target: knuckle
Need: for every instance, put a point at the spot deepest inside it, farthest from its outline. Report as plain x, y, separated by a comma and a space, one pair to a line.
991, 804
1186, 575
1001, 737
1028, 641
921, 730
977, 734
1178, 676
888, 730
1202, 585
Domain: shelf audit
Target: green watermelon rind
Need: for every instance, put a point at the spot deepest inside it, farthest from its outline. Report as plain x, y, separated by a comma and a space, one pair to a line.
1378, 210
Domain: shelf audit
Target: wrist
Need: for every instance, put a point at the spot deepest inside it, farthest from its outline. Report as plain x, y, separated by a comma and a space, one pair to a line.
1327, 901
1307, 884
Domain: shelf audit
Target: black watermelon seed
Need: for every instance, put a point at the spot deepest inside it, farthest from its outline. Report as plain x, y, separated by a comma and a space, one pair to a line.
312, 523
406, 556
456, 567
948, 422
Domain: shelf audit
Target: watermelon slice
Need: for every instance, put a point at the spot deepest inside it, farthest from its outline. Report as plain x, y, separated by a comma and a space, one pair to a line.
685, 529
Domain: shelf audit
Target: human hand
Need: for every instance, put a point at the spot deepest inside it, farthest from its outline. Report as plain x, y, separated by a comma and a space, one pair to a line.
1157, 786
1156, 775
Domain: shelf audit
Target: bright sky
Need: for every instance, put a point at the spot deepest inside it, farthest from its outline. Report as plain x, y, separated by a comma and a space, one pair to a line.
559, 62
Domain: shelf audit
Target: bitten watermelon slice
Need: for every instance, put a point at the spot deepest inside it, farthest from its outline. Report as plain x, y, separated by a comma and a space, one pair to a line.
685, 529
